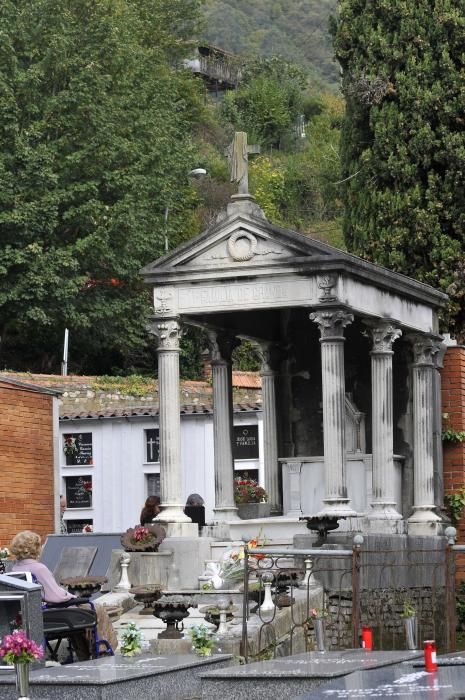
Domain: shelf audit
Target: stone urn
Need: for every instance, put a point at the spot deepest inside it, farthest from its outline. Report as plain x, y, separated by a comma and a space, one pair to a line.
248, 511
147, 595
83, 586
172, 609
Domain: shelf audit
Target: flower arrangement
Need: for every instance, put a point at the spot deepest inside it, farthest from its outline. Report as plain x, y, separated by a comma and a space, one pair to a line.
70, 446
87, 528
131, 640
248, 491
143, 538
232, 564
17, 648
4, 552
202, 640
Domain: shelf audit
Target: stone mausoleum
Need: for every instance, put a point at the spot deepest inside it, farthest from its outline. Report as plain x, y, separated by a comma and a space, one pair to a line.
350, 357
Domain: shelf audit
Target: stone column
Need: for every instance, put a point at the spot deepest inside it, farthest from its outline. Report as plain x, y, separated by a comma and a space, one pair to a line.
384, 514
332, 323
437, 426
270, 427
221, 346
424, 520
168, 331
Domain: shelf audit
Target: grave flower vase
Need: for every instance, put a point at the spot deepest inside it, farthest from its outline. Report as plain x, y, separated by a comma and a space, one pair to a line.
248, 511
411, 632
320, 633
22, 680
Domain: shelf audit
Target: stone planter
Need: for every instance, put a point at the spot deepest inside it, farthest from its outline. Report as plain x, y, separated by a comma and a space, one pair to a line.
248, 511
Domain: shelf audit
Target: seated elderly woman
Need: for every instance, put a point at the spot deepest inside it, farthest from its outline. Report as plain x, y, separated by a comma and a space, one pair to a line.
26, 548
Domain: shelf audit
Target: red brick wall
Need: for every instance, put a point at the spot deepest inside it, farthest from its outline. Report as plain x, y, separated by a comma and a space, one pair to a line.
453, 403
26, 462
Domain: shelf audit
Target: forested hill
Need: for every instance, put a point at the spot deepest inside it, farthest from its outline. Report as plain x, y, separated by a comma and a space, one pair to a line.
296, 29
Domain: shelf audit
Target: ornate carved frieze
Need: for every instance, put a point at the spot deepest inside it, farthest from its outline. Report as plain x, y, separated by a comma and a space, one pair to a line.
242, 245
332, 322
424, 349
168, 332
327, 284
383, 335
164, 300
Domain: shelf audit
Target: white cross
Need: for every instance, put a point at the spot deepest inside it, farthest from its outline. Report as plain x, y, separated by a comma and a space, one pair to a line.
238, 155
150, 444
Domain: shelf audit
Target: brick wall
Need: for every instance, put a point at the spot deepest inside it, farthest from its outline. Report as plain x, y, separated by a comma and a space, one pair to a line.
453, 403
26, 462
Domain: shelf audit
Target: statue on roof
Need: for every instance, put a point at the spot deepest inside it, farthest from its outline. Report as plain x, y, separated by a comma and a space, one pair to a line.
238, 156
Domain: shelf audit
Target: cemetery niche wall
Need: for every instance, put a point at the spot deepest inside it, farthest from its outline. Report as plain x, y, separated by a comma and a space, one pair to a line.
337, 337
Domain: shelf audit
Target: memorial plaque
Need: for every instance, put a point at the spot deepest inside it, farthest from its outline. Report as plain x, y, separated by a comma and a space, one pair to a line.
153, 484
152, 444
76, 526
245, 442
74, 561
79, 491
78, 449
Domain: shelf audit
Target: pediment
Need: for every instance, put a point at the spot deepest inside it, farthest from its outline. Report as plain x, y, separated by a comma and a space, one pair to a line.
241, 243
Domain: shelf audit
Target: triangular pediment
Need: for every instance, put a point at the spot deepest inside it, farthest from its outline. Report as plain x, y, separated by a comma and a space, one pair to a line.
241, 242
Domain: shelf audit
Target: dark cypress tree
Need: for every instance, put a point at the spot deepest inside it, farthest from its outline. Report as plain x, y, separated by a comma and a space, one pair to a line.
403, 145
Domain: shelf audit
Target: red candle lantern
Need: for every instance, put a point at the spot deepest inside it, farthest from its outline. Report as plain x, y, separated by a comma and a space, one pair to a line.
367, 638
430, 655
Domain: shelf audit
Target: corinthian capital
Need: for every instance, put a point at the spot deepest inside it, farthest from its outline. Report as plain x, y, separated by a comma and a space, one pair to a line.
424, 349
383, 335
221, 345
168, 331
332, 322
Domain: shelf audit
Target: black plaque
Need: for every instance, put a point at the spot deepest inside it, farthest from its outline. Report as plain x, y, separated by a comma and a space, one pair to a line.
152, 444
78, 492
76, 526
82, 443
245, 444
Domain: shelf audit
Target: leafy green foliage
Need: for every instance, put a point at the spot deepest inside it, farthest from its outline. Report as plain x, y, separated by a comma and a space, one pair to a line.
94, 143
268, 100
202, 640
455, 503
403, 146
296, 29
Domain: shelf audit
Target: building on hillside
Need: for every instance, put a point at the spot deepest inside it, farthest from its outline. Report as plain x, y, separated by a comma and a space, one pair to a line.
219, 69
29, 459
108, 452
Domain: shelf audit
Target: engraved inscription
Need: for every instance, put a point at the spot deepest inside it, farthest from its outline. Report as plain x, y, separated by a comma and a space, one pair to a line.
253, 294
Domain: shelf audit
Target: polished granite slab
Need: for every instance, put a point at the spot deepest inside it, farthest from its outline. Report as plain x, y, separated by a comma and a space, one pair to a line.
401, 681
174, 677
291, 675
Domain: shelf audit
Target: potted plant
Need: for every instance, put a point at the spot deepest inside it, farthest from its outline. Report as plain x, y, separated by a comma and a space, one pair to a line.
251, 499
409, 615
17, 649
202, 640
131, 640
143, 538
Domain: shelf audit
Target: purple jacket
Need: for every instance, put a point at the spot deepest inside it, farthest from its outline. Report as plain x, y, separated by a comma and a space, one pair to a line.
51, 591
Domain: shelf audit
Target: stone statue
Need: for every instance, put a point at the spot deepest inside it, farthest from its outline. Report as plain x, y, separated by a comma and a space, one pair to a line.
238, 155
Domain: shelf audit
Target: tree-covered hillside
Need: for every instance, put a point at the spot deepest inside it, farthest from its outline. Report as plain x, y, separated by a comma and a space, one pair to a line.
295, 29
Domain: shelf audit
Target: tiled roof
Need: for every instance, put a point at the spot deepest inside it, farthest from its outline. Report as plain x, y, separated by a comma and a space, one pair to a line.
186, 409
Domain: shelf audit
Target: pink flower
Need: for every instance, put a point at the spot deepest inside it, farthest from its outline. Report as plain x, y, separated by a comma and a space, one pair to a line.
17, 648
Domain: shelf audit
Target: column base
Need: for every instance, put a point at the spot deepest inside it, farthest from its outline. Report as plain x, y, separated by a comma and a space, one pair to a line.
424, 521
182, 530
172, 514
384, 511
336, 508
379, 526
224, 514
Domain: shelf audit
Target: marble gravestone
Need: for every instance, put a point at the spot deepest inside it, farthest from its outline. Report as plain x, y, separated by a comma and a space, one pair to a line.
21, 607
290, 675
401, 681
74, 561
